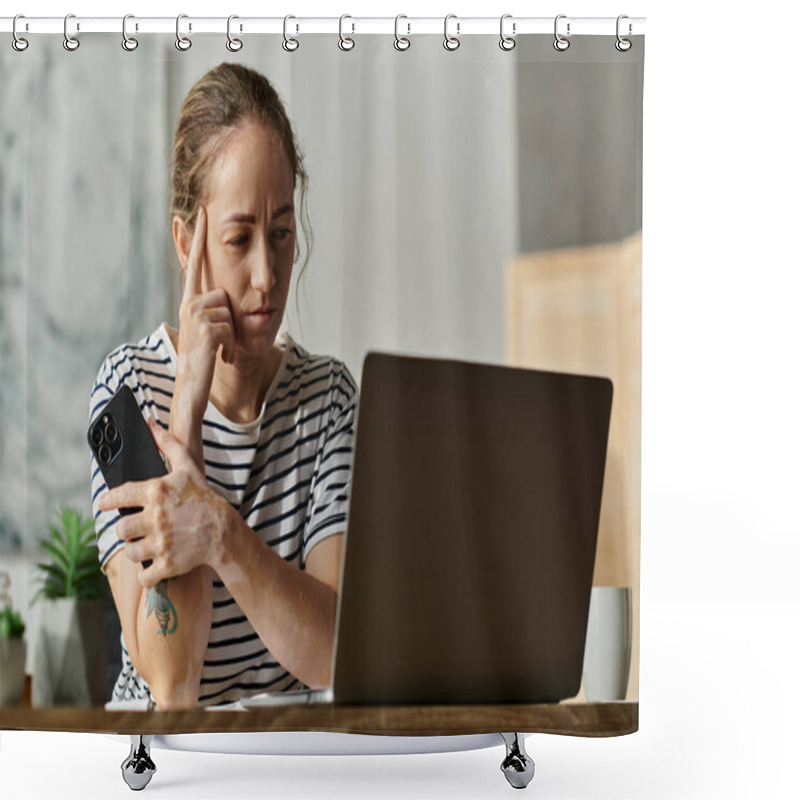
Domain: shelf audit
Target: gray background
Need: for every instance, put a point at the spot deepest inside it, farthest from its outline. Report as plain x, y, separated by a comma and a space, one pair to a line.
429, 171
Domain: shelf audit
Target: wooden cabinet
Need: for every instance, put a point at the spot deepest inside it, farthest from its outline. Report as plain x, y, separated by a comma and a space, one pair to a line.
580, 310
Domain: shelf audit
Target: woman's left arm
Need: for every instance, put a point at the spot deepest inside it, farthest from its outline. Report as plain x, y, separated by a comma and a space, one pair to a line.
293, 611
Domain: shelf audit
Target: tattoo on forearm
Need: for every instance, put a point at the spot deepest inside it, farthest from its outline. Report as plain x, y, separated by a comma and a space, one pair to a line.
165, 611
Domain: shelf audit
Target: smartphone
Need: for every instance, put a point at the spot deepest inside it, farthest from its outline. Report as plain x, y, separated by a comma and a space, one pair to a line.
123, 446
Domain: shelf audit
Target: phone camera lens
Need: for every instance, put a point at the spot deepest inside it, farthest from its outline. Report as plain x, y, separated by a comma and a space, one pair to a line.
97, 436
111, 433
104, 454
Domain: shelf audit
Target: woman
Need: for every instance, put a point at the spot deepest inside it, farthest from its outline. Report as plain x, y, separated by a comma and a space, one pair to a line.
245, 532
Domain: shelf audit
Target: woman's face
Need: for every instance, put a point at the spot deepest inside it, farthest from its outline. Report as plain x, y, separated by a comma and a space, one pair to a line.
250, 240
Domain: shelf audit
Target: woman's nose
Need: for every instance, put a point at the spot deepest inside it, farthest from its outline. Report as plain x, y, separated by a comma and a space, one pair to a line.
263, 275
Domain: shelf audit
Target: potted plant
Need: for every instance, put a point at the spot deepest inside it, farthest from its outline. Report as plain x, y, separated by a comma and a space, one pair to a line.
69, 649
12, 651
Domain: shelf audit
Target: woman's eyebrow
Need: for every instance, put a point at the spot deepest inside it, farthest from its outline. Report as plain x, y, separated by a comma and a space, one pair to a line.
286, 208
239, 216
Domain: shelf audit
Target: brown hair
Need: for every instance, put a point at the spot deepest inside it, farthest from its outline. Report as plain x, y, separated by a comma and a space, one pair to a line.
223, 100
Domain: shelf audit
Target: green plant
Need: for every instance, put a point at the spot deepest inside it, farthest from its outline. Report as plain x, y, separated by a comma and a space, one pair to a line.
74, 569
11, 624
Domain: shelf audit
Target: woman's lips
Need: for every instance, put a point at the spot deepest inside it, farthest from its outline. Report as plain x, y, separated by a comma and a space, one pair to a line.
261, 316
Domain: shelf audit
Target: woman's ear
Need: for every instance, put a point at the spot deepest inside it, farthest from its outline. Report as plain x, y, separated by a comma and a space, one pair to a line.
182, 239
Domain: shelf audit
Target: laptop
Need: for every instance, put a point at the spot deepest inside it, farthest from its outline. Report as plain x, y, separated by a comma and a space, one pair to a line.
471, 535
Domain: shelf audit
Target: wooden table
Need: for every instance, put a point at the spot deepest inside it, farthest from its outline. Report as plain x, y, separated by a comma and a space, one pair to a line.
574, 719
569, 718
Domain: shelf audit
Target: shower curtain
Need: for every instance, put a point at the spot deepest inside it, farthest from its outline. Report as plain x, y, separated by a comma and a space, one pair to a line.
478, 204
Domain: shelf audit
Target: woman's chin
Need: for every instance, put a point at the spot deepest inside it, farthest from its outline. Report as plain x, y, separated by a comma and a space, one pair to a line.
254, 348
256, 343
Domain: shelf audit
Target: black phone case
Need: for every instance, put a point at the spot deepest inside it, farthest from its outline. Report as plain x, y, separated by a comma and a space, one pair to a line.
138, 458
135, 454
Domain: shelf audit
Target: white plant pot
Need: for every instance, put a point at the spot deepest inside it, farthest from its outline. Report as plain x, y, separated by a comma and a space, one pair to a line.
69, 654
12, 670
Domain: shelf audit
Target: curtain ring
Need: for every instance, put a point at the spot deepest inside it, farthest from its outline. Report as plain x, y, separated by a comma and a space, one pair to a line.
623, 45
183, 43
560, 43
233, 44
451, 42
401, 42
289, 43
128, 42
18, 43
507, 42
346, 42
70, 42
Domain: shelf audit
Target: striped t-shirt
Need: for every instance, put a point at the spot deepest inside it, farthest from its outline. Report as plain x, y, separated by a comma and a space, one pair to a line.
287, 473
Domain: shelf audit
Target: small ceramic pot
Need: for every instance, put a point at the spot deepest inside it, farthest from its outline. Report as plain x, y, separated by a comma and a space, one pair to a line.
12, 670
69, 654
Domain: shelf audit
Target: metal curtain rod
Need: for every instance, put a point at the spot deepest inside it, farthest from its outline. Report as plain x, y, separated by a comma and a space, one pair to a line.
459, 26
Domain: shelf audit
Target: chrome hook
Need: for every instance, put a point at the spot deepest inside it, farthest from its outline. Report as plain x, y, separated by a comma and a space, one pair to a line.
129, 43
401, 42
507, 42
233, 44
70, 42
18, 43
623, 45
290, 44
561, 43
346, 42
451, 42
183, 43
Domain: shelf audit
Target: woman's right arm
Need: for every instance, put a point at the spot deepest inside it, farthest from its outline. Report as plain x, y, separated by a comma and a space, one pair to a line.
166, 627
166, 648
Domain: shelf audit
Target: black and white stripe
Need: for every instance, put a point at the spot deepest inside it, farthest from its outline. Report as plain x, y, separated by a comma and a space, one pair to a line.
287, 473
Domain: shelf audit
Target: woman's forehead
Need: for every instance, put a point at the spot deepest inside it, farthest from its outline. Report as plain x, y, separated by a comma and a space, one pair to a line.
251, 166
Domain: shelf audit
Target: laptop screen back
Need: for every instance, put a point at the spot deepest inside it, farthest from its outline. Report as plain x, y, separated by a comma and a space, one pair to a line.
471, 535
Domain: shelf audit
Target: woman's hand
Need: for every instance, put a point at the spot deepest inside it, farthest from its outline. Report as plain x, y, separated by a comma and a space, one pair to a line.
182, 520
206, 324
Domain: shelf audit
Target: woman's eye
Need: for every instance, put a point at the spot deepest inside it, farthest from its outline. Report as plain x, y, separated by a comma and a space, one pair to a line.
238, 241
282, 233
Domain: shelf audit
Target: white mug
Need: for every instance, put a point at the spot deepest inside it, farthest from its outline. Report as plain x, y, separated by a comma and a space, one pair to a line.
607, 658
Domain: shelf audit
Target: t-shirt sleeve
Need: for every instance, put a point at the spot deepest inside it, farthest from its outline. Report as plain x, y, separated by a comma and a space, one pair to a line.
330, 483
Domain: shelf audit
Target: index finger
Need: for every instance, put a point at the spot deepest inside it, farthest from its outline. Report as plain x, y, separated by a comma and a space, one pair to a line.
127, 495
194, 264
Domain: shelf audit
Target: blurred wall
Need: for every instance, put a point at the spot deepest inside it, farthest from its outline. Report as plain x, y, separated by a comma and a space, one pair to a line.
428, 170
82, 233
580, 140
